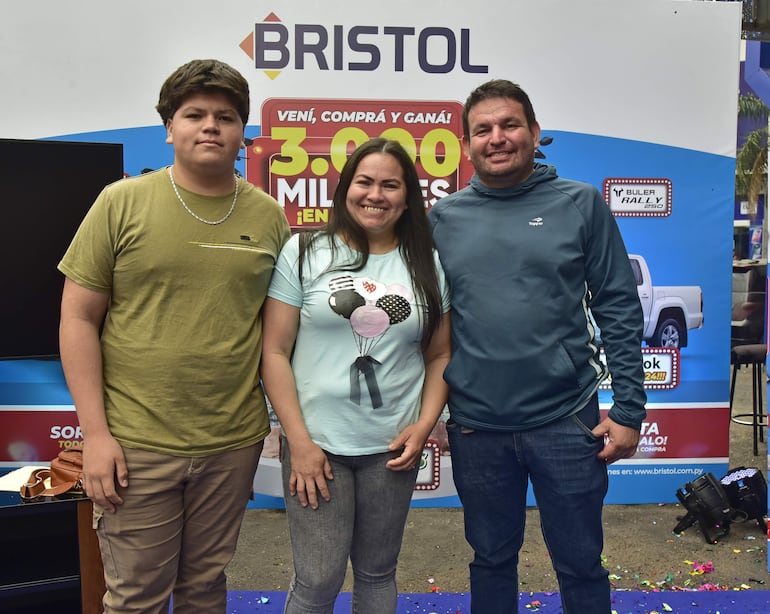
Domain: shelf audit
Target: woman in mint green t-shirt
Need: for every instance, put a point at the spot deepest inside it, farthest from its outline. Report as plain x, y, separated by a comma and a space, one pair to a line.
356, 339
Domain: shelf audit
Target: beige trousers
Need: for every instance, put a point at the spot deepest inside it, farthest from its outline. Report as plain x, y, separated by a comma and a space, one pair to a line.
175, 532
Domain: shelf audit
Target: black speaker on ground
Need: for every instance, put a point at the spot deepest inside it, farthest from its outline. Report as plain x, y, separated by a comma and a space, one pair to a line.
746, 490
707, 506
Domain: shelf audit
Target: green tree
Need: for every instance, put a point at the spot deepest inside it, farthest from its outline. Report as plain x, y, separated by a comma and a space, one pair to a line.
751, 159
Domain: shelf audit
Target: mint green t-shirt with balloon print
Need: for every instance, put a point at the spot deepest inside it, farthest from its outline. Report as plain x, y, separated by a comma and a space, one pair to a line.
357, 360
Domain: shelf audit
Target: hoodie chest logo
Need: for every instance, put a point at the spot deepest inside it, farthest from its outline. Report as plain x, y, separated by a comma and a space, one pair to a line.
536, 221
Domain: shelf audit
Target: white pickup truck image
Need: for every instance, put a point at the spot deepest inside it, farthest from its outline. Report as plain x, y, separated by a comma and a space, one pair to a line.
669, 311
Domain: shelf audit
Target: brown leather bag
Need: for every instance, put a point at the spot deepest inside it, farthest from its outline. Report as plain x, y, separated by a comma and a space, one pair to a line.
65, 474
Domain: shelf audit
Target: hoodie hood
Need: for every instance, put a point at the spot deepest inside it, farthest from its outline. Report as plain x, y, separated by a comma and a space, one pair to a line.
541, 173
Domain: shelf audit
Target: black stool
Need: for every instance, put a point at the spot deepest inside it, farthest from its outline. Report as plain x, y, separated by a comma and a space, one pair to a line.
755, 355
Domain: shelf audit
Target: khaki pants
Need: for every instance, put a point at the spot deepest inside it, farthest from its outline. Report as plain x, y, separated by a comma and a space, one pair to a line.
175, 532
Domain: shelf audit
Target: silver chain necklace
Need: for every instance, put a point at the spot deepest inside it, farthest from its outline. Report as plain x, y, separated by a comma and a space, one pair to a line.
191, 212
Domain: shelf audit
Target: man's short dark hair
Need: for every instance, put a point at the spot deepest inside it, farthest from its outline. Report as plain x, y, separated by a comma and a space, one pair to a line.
498, 88
202, 76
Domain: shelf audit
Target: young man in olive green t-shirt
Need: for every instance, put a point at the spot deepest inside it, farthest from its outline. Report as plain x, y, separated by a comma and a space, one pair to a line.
175, 265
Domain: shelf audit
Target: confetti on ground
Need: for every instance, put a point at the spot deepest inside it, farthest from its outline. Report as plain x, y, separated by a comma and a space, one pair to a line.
534, 605
701, 568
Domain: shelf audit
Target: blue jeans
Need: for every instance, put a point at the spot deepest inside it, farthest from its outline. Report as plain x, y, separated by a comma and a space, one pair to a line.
490, 472
363, 521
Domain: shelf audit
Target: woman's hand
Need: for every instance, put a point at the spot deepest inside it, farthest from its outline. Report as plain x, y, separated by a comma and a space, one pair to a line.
310, 469
411, 441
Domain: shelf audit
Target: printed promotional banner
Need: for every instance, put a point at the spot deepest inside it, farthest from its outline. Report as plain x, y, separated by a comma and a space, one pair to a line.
304, 145
637, 97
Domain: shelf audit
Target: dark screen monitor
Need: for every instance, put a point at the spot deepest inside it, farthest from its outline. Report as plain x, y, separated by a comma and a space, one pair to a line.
46, 188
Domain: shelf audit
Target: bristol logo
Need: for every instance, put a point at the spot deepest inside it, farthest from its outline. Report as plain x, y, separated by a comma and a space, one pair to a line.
274, 46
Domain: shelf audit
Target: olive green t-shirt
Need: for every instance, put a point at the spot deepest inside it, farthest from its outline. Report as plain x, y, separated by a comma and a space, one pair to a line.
183, 333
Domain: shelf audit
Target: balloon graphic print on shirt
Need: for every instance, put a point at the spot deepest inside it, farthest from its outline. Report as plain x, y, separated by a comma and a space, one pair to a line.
369, 321
372, 308
344, 302
397, 307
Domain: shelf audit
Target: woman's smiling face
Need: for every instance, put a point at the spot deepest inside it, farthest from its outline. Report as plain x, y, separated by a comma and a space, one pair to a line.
376, 198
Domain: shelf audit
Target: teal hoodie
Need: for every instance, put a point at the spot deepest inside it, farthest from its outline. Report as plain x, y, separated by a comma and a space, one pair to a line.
524, 265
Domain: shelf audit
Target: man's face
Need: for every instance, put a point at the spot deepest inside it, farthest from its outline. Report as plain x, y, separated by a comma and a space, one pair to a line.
500, 144
207, 134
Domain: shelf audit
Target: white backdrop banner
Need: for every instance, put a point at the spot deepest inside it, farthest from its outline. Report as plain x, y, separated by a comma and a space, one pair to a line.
639, 97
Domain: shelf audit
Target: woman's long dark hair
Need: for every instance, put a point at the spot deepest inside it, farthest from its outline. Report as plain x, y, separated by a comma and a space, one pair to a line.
412, 231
